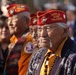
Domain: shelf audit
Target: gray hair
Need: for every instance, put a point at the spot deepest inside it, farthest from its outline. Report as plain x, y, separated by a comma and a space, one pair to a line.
25, 14
62, 25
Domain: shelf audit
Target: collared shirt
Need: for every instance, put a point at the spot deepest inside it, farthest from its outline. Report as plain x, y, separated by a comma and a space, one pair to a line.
52, 58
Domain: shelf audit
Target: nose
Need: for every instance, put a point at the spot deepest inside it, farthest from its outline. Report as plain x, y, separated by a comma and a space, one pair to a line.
34, 35
43, 33
10, 23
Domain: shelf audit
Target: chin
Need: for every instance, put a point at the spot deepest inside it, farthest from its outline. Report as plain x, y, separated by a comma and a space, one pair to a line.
12, 32
40, 46
3, 37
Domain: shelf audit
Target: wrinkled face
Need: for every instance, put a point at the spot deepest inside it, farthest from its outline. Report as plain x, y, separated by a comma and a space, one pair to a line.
33, 30
5, 34
50, 35
16, 24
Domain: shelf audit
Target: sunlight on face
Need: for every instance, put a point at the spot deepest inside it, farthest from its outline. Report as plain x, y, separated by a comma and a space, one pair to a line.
50, 34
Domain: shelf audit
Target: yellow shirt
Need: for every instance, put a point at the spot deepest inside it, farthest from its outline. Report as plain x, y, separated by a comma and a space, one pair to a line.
52, 58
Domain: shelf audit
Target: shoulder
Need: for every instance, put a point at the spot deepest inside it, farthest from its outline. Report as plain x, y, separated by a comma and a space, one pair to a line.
69, 47
69, 64
28, 46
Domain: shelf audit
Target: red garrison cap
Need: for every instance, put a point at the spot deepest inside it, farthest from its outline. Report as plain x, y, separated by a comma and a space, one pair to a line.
17, 8
33, 19
50, 16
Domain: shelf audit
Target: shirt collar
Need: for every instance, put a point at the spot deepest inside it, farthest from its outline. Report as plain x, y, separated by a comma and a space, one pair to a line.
13, 39
59, 49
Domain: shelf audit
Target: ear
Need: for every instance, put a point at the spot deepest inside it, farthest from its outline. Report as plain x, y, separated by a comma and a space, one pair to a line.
65, 32
27, 20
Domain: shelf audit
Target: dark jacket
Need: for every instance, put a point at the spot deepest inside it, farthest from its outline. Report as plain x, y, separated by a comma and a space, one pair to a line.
74, 28
3, 55
66, 65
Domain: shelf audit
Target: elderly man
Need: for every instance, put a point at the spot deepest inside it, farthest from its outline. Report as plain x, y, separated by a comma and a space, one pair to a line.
21, 47
33, 31
59, 56
33, 28
71, 21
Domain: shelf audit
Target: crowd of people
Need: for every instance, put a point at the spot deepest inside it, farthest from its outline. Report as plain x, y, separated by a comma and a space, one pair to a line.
40, 43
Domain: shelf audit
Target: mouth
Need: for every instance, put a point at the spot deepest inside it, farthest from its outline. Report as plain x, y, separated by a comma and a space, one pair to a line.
34, 43
11, 27
44, 42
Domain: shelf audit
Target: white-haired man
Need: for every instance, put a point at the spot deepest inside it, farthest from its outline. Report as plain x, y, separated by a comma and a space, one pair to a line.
33, 28
59, 55
21, 41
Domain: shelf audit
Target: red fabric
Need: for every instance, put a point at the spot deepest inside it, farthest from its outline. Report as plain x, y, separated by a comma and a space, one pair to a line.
51, 16
33, 19
17, 8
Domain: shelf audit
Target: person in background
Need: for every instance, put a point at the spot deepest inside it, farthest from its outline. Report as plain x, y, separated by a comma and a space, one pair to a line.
4, 42
1, 12
21, 46
59, 55
71, 21
5, 4
39, 4
33, 28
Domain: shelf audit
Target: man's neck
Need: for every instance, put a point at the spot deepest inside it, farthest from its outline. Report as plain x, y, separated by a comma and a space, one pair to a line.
18, 35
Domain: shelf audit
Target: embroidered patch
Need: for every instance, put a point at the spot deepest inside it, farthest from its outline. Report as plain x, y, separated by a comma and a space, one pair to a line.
28, 48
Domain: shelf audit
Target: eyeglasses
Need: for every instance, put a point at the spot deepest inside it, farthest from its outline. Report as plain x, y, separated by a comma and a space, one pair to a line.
47, 28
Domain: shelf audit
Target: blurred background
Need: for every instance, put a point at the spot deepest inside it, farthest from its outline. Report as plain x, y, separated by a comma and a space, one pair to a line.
35, 5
